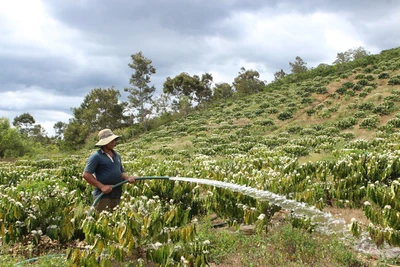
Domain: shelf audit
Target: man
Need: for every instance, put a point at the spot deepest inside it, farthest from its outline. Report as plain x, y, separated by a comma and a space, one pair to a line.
104, 169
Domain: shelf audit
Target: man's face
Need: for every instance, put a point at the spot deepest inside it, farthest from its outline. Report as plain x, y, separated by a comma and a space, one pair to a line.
112, 144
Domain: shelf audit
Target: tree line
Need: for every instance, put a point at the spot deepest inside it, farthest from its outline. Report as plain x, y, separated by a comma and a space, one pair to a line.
102, 107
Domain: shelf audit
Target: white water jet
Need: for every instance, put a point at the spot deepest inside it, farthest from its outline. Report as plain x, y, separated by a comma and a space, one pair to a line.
324, 221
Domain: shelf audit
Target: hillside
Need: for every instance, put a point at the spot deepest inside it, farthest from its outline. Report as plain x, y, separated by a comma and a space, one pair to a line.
328, 138
335, 109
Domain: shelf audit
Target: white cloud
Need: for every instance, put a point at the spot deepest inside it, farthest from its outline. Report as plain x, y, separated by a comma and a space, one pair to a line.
46, 108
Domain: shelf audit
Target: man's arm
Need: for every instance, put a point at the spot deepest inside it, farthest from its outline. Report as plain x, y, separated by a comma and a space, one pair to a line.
89, 177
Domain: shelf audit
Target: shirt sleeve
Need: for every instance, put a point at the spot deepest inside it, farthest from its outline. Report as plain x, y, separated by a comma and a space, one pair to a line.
91, 164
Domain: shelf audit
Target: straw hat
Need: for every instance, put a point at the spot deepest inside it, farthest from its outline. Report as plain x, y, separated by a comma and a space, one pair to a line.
105, 137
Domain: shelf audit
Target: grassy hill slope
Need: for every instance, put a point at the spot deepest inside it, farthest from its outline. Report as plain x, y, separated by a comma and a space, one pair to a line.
335, 109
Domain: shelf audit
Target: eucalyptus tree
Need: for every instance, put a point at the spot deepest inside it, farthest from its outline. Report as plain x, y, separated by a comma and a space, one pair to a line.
38, 133
24, 123
196, 89
59, 128
350, 55
141, 93
222, 91
162, 104
279, 75
298, 66
248, 82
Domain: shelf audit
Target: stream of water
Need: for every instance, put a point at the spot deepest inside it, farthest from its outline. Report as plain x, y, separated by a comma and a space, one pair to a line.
325, 222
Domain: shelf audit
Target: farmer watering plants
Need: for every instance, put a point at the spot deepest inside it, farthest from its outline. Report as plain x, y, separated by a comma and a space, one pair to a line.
104, 169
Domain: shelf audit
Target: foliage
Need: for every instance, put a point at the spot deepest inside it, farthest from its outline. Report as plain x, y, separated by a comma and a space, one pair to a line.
351, 54
100, 109
140, 94
279, 74
222, 91
12, 144
194, 88
24, 123
248, 82
298, 66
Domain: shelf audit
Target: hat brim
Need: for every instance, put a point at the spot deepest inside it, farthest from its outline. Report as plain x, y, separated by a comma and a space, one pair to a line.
107, 140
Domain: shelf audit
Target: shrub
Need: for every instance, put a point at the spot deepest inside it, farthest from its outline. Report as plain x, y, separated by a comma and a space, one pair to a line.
391, 98
358, 87
306, 100
341, 90
308, 131
384, 109
265, 105
321, 90
363, 82
369, 123
366, 106
348, 85
368, 89
346, 123
272, 110
265, 122
360, 114
394, 80
369, 77
294, 129
384, 75
310, 111
285, 115
347, 136
368, 69
395, 122
259, 111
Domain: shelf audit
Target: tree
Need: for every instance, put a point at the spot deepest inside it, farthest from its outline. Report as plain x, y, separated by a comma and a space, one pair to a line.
141, 93
59, 128
298, 66
204, 92
100, 109
222, 91
162, 104
38, 133
350, 55
248, 82
11, 142
75, 134
24, 123
359, 52
195, 89
279, 75
182, 105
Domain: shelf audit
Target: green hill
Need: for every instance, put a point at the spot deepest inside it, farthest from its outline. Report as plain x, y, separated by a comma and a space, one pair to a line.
310, 114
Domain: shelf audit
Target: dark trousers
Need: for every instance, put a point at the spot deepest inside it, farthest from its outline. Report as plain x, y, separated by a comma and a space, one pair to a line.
107, 204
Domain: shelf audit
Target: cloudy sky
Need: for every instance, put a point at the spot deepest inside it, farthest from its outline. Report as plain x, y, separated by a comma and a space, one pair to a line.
54, 52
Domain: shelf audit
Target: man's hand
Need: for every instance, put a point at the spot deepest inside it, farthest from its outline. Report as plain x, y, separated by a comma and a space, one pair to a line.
106, 189
131, 179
